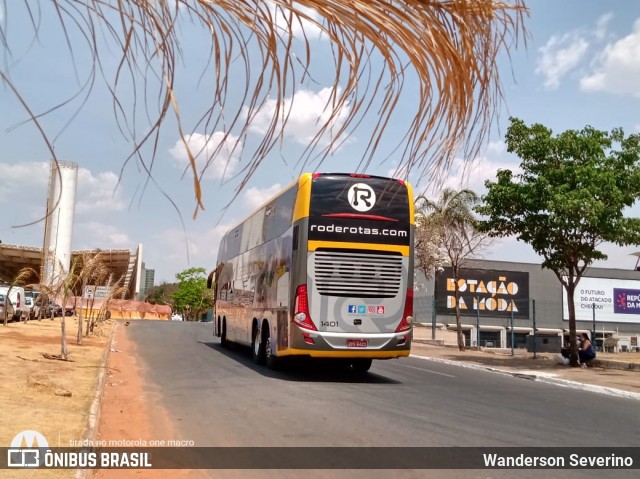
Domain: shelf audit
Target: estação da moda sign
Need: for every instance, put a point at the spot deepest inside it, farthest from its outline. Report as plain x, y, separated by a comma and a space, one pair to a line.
491, 292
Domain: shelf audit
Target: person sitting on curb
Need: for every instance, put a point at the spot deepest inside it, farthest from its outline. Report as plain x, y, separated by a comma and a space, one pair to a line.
586, 351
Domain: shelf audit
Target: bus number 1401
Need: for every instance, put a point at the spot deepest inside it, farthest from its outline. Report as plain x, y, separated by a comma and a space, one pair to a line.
329, 324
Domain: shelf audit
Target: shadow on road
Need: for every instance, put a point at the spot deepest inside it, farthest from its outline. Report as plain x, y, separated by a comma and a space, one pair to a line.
303, 369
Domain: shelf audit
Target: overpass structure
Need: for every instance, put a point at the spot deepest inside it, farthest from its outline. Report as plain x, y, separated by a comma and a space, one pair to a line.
123, 263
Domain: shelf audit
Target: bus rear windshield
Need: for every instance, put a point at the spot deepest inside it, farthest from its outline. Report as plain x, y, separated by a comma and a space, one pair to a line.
357, 209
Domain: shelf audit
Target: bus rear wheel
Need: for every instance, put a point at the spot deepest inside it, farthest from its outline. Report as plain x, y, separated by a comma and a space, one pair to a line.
360, 365
223, 335
257, 346
270, 358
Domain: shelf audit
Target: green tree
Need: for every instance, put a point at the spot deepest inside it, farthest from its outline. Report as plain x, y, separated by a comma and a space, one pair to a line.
453, 228
192, 297
569, 199
161, 294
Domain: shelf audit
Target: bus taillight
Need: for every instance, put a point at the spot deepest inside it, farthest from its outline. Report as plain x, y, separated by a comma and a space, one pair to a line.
301, 309
407, 315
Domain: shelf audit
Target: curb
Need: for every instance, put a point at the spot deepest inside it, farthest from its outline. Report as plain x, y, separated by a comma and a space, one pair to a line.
539, 377
613, 364
94, 411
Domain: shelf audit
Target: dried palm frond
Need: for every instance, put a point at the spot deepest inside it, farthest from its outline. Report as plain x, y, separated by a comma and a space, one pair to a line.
450, 47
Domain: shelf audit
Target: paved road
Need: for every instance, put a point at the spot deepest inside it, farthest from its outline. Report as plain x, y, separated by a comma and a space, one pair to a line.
218, 397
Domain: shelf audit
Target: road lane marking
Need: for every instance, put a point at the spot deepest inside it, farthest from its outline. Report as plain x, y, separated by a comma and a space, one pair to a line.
427, 370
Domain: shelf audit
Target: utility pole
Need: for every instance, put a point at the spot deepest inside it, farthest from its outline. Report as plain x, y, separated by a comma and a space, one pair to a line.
478, 321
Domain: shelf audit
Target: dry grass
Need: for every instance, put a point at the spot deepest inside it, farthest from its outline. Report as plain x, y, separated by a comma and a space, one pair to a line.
28, 384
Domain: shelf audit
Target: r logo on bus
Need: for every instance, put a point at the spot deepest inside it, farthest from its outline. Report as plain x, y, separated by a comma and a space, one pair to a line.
361, 197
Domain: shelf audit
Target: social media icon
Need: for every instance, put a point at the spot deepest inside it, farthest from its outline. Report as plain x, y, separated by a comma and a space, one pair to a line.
362, 309
371, 310
352, 309
380, 310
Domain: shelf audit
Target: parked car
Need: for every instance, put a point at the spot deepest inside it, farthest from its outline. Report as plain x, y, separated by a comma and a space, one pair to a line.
176, 317
5, 305
16, 297
69, 310
49, 309
56, 308
30, 314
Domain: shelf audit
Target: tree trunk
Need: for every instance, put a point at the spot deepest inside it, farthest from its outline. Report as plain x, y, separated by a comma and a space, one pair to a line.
456, 295
79, 337
63, 344
459, 330
573, 358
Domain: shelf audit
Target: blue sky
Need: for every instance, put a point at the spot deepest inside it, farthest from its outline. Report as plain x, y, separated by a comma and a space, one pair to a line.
581, 67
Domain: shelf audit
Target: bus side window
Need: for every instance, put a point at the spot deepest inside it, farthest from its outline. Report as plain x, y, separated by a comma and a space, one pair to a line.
295, 238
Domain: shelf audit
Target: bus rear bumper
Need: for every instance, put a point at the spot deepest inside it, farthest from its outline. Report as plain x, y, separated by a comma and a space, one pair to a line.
348, 345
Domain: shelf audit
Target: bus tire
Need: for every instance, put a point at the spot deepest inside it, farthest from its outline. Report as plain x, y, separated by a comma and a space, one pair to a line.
257, 346
360, 365
271, 359
217, 331
223, 335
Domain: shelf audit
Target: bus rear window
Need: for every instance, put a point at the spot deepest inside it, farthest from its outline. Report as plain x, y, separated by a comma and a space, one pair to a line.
372, 197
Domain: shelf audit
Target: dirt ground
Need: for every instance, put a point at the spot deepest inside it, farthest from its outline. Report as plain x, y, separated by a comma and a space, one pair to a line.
34, 391
127, 415
127, 409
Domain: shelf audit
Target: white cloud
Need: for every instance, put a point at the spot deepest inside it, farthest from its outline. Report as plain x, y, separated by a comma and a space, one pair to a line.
254, 197
169, 256
559, 56
18, 179
618, 67
496, 148
467, 175
95, 234
304, 25
216, 156
97, 193
305, 113
602, 26
474, 175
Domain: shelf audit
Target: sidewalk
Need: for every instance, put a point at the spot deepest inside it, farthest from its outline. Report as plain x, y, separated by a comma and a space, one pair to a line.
608, 375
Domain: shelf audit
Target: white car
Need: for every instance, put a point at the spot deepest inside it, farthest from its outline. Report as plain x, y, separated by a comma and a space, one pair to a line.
16, 296
29, 313
176, 317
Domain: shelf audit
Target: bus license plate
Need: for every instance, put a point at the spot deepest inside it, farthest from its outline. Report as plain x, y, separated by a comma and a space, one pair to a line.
357, 343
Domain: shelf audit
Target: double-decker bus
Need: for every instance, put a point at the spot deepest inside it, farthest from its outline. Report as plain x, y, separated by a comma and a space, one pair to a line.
324, 269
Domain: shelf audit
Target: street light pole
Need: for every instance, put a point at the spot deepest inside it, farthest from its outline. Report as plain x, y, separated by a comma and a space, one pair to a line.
433, 317
478, 322
593, 330
535, 336
512, 333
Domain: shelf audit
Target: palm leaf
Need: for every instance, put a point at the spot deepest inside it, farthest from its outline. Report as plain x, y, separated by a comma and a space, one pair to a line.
450, 48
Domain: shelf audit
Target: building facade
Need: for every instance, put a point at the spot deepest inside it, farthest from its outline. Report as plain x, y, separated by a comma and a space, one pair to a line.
502, 302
